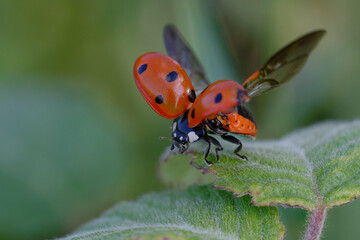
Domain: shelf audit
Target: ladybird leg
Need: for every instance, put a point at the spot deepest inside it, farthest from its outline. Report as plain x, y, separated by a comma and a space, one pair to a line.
182, 149
185, 148
207, 140
218, 146
236, 141
172, 147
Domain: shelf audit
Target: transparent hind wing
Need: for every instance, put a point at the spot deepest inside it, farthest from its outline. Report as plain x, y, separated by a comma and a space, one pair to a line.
179, 50
284, 65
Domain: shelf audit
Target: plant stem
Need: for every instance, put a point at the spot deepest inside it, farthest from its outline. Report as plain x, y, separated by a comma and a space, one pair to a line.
316, 224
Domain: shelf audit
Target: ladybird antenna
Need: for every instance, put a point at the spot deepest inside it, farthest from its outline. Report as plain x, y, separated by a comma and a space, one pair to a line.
165, 138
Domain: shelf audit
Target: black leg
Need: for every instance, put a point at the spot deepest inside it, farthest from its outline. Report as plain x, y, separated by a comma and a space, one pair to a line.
207, 139
236, 141
184, 149
218, 146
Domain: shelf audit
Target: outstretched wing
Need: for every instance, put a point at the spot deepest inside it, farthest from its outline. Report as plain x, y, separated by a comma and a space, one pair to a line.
177, 49
284, 65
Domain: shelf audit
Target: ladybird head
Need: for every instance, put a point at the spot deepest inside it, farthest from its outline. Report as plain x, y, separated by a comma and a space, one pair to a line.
179, 138
183, 135
182, 145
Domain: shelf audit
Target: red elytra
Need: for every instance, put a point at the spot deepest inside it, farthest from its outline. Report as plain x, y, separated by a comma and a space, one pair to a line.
217, 97
164, 84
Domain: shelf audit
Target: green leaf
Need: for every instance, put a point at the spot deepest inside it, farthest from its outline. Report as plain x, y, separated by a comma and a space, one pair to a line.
319, 165
195, 213
178, 173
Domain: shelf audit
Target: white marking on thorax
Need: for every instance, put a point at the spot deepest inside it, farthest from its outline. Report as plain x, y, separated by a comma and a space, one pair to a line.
192, 136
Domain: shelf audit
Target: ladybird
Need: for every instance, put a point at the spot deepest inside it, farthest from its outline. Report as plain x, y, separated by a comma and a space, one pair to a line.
176, 87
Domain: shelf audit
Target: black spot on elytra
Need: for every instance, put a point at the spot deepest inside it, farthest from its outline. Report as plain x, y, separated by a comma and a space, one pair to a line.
192, 96
239, 94
193, 113
142, 68
172, 76
218, 98
159, 99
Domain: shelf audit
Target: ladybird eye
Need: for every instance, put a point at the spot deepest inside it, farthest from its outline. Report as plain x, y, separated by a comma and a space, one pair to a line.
159, 99
172, 76
218, 98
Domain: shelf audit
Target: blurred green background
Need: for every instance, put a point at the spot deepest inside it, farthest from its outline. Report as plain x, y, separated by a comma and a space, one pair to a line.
77, 136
